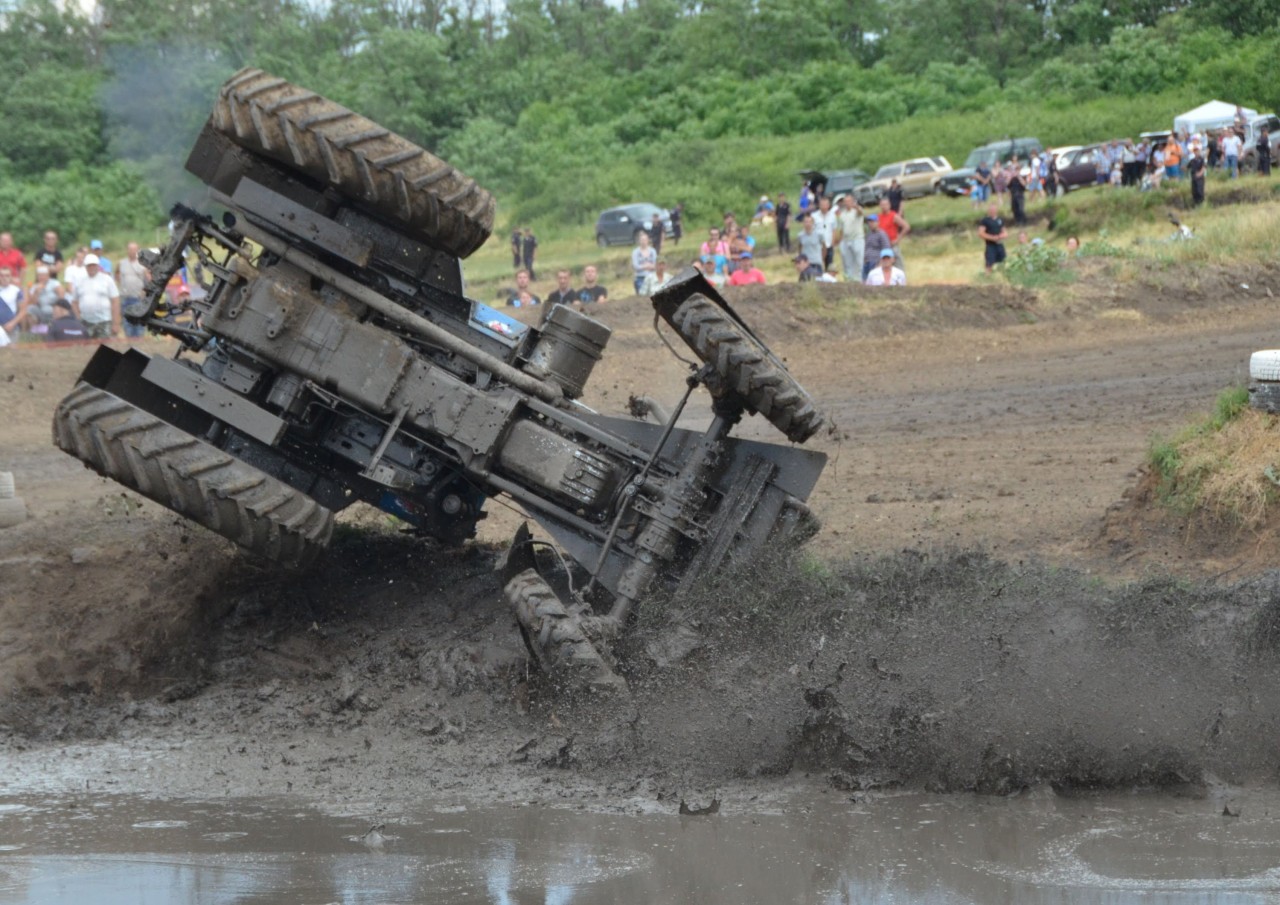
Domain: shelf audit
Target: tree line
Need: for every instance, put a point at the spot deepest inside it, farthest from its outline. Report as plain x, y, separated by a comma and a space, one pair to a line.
542, 100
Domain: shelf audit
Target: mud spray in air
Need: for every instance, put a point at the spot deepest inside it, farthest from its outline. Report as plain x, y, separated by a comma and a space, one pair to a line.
944, 671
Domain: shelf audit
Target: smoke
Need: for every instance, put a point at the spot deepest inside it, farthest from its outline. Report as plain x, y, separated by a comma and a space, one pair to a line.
156, 99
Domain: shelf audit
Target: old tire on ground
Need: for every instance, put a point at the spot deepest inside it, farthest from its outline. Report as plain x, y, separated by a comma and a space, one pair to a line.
210, 487
1265, 365
747, 368
556, 638
13, 511
373, 166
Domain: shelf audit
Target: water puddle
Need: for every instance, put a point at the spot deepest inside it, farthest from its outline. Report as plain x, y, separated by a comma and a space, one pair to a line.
1111, 850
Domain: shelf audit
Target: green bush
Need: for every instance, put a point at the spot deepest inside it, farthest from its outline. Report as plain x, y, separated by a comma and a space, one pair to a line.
78, 201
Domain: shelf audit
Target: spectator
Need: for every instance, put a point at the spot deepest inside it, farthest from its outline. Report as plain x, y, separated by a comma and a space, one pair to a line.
564, 293
852, 232
1035, 179
131, 279
764, 210
659, 278
1073, 245
592, 293
981, 184
643, 260
824, 222
1264, 153
1173, 159
515, 248
747, 272
747, 240
65, 326
50, 255
1215, 151
99, 300
894, 225
782, 222
522, 296
992, 231
875, 240
715, 255
12, 307
1231, 145
75, 272
806, 270
1195, 169
104, 262
894, 195
12, 258
886, 274
810, 241
528, 246
654, 229
806, 199
1017, 194
677, 222
40, 298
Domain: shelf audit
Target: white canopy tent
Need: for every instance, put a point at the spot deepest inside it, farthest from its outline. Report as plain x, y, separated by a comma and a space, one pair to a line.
1213, 115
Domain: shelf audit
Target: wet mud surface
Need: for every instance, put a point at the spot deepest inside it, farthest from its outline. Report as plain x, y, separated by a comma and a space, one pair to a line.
809, 848
958, 625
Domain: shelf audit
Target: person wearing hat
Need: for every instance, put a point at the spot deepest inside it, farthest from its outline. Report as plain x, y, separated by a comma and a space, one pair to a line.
806, 270
65, 326
103, 261
746, 272
886, 274
851, 232
764, 211
99, 300
874, 241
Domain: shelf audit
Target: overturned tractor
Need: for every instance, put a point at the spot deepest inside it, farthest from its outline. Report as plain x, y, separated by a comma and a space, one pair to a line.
332, 357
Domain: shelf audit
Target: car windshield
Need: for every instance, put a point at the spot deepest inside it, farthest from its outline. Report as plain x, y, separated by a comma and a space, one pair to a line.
979, 156
888, 172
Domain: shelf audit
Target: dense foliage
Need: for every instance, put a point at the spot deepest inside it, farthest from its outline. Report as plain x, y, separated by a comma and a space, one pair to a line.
564, 106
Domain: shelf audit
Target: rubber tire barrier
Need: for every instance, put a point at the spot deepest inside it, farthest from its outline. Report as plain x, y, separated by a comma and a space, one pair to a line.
1265, 365
13, 511
747, 368
1265, 397
373, 166
122, 442
555, 637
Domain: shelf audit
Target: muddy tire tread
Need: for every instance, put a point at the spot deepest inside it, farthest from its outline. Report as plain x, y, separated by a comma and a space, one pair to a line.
747, 369
373, 166
191, 477
554, 636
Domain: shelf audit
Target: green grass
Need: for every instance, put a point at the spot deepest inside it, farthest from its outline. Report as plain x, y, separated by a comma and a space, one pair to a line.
1180, 482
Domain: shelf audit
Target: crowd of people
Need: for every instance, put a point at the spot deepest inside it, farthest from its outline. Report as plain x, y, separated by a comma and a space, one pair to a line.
52, 296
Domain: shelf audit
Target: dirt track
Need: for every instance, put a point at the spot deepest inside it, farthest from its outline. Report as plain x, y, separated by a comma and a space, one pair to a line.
969, 419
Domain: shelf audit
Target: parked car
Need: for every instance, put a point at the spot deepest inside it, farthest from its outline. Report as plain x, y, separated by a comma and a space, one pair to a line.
620, 225
957, 181
835, 184
1079, 168
1252, 132
918, 177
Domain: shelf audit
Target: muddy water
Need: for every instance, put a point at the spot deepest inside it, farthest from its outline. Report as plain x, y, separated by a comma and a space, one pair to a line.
815, 848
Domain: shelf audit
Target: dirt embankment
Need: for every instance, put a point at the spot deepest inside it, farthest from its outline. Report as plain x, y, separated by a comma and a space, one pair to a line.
969, 419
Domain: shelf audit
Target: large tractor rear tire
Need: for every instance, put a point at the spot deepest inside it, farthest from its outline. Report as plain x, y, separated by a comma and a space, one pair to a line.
122, 442
383, 172
747, 368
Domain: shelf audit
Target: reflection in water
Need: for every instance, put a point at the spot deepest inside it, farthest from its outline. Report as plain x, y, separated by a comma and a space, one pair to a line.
924, 850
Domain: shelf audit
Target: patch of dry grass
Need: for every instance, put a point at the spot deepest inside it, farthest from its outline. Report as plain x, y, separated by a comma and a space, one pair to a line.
1238, 468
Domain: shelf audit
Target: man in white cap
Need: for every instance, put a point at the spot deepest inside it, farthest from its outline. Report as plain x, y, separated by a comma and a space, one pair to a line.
99, 301
886, 274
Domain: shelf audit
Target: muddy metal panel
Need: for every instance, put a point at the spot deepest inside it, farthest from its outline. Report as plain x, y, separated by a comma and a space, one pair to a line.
280, 320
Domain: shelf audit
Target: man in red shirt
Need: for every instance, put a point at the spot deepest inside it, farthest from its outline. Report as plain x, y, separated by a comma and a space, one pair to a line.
12, 258
894, 224
747, 271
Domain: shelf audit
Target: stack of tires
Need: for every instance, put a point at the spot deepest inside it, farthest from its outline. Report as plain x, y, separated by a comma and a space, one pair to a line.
1264, 380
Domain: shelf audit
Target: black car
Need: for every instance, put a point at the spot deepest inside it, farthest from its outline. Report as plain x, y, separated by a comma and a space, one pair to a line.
957, 181
620, 225
834, 183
